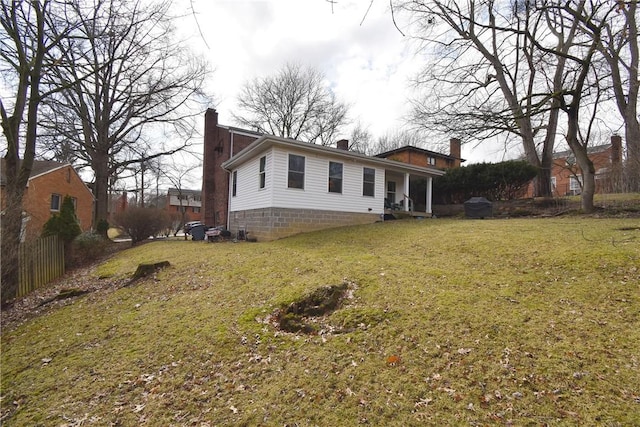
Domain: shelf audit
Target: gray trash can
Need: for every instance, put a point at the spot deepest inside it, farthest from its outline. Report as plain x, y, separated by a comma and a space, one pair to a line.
197, 232
478, 207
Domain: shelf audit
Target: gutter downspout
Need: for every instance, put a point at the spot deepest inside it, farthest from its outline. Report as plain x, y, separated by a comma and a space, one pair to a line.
230, 175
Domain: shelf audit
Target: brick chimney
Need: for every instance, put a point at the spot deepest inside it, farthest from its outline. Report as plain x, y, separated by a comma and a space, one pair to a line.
343, 144
455, 148
616, 149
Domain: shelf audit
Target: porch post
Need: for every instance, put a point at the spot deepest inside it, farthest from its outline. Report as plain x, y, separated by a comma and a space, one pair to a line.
429, 193
405, 200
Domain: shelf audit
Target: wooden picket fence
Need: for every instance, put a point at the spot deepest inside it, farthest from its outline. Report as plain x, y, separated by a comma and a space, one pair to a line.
40, 261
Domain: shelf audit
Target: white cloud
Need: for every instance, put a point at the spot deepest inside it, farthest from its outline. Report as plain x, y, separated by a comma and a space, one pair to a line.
367, 61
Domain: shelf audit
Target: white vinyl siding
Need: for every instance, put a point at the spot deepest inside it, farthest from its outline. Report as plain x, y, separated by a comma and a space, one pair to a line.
315, 194
249, 195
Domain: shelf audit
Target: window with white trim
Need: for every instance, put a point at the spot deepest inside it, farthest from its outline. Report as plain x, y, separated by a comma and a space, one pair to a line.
335, 177
391, 191
296, 171
368, 182
56, 201
575, 183
263, 173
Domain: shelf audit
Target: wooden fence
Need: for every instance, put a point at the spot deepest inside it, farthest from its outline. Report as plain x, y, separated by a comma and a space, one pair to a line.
40, 261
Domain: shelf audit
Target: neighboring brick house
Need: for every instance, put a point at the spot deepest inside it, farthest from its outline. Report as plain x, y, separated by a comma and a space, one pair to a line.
187, 202
220, 143
421, 157
117, 205
566, 175
49, 183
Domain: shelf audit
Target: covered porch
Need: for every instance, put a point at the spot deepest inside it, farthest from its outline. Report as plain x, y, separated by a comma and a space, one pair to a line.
408, 193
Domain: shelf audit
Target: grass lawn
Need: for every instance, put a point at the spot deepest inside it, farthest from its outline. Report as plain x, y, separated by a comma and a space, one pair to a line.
446, 322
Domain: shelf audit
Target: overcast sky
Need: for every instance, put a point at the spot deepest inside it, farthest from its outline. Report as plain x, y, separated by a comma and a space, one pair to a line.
367, 61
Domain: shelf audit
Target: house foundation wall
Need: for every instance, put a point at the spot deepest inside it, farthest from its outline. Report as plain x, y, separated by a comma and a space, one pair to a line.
275, 223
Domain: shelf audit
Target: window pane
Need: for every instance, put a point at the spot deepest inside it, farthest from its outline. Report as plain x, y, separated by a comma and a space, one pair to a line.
235, 183
296, 171
296, 163
263, 163
391, 191
368, 182
55, 202
335, 177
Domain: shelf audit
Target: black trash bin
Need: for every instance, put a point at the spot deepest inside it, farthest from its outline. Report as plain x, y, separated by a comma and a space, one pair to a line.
197, 232
478, 207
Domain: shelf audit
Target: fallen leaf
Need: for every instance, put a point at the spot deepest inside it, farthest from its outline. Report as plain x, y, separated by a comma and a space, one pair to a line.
393, 360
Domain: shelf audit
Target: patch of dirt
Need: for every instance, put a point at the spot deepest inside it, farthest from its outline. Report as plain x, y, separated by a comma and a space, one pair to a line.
308, 314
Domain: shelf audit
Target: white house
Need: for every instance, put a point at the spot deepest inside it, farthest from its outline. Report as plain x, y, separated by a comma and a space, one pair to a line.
279, 187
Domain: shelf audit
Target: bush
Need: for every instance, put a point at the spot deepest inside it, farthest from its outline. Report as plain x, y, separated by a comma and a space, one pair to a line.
495, 181
102, 227
141, 223
65, 224
87, 247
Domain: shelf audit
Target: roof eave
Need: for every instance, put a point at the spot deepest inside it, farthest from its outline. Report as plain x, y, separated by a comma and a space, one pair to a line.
265, 142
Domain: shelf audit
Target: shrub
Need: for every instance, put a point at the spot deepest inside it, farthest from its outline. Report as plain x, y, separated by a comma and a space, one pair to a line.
141, 223
102, 227
87, 247
495, 181
65, 224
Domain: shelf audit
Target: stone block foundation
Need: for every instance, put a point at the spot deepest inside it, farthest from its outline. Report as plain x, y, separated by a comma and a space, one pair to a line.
275, 223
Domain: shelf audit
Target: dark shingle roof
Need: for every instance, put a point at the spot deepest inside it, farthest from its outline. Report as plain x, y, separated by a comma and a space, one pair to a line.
39, 167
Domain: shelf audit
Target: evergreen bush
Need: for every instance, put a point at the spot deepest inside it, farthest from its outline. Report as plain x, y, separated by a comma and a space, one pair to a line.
496, 181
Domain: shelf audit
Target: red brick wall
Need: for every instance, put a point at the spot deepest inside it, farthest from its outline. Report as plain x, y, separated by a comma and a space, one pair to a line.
563, 172
215, 180
422, 159
65, 182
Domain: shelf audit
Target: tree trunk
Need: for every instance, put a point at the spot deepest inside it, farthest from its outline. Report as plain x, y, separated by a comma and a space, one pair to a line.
101, 187
632, 139
11, 228
582, 158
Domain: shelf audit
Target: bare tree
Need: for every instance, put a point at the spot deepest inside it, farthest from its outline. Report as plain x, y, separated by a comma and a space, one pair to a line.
360, 139
619, 47
143, 95
30, 36
294, 103
399, 138
483, 73
579, 25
